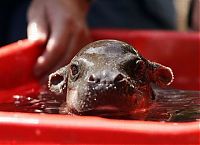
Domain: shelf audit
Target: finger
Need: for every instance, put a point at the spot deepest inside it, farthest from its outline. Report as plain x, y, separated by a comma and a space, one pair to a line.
196, 16
79, 39
37, 23
56, 46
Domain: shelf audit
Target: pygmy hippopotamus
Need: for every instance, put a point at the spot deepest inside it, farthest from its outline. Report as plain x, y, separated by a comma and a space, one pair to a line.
108, 77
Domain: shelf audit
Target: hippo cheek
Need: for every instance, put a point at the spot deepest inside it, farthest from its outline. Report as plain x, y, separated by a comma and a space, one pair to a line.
124, 96
71, 100
78, 101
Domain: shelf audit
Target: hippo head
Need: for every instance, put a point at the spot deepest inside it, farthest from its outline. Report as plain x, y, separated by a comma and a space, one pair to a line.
108, 76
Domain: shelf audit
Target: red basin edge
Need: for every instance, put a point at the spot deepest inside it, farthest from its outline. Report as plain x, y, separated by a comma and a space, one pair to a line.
20, 128
34, 128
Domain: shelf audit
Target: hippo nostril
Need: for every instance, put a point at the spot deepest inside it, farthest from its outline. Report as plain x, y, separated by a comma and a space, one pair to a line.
93, 79
119, 78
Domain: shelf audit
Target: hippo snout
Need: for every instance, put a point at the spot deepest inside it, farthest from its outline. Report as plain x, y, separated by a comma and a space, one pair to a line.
106, 77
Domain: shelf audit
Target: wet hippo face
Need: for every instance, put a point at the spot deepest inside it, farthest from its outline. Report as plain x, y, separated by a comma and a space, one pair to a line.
108, 76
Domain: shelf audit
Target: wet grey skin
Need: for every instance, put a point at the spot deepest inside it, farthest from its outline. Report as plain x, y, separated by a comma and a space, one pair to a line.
108, 77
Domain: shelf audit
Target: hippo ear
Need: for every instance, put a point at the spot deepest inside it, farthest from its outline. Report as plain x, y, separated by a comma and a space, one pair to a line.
161, 75
58, 80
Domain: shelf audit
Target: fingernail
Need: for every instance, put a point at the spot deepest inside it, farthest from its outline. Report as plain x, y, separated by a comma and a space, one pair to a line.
40, 60
34, 34
37, 70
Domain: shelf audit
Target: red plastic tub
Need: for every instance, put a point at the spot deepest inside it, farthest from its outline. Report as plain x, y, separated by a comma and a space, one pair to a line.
180, 51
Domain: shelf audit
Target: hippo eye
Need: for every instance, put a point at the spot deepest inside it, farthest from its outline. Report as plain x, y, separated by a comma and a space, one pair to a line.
135, 68
74, 69
139, 66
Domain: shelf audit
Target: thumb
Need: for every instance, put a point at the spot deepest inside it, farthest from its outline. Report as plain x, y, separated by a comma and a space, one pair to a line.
37, 23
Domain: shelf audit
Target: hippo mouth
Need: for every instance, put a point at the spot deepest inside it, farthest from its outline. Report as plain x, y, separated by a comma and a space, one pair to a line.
104, 99
108, 112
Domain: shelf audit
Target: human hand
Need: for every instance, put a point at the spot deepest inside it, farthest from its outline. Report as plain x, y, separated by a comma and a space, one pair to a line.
61, 25
196, 15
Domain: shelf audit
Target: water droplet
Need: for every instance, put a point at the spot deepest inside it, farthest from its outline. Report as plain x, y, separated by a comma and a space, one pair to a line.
38, 132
